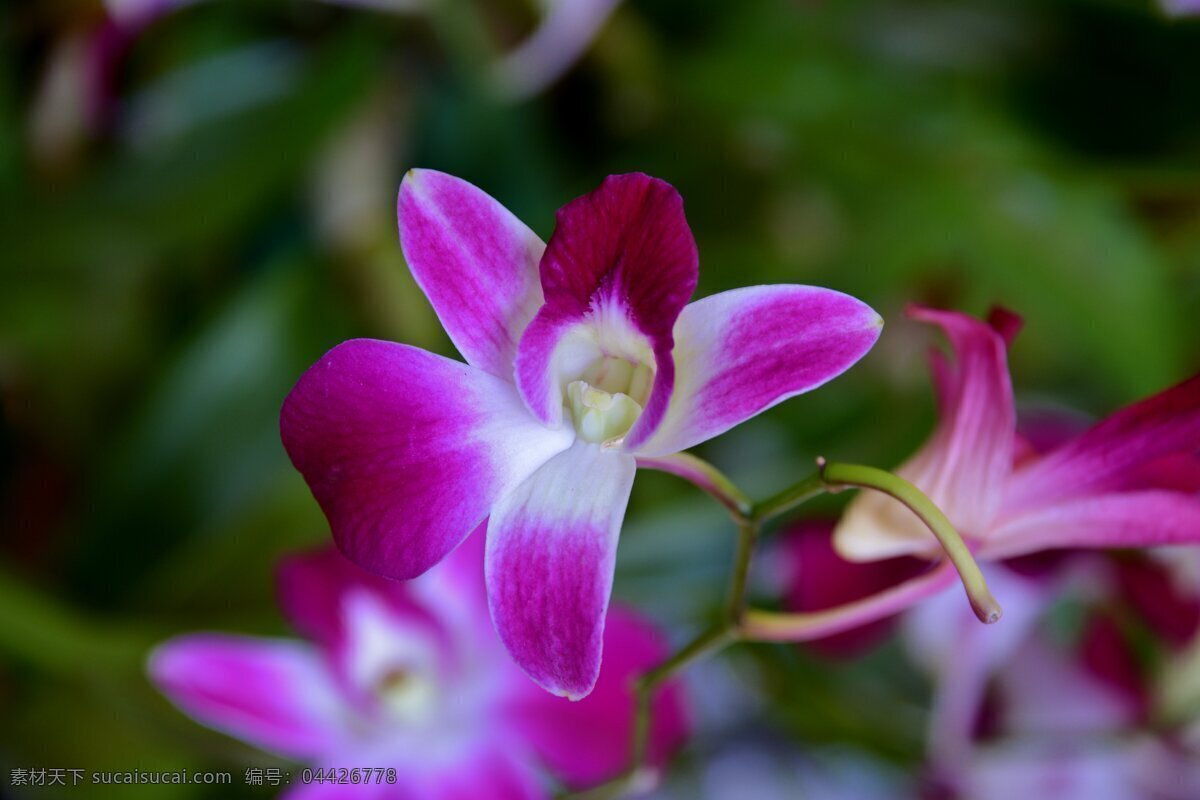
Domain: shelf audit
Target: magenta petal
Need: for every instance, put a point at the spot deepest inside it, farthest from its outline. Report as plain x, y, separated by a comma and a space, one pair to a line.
476, 263
622, 256
490, 772
820, 579
275, 694
963, 467
312, 588
740, 352
407, 451
587, 742
1130, 519
1103, 457
551, 551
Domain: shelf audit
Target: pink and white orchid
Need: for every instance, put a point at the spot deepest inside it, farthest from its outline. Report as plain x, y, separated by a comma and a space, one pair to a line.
409, 677
582, 356
1095, 490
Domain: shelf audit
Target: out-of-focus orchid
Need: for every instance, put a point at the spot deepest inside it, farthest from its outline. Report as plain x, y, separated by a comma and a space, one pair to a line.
583, 355
816, 578
1086, 492
568, 27
138, 13
1063, 720
410, 677
1181, 8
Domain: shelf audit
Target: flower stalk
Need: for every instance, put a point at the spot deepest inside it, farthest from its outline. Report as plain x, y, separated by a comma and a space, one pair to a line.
740, 623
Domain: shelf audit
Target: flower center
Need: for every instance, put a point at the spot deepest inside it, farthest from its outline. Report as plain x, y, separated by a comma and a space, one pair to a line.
608, 398
407, 695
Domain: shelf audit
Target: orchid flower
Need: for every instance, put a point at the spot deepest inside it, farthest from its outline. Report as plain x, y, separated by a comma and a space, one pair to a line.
1066, 721
409, 677
565, 31
1080, 494
1181, 8
583, 355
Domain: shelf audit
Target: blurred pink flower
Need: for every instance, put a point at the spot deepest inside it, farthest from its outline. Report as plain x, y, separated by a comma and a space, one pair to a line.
817, 579
566, 30
1020, 713
410, 676
582, 355
1181, 8
1110, 486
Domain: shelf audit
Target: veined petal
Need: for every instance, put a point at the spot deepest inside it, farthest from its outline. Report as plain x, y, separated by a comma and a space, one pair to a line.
551, 551
587, 742
1130, 519
407, 451
963, 467
621, 264
475, 261
275, 694
1103, 457
740, 352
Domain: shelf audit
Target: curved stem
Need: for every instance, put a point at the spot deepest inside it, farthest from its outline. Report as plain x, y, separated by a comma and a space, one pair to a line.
739, 623
982, 602
796, 494
773, 626
735, 602
706, 477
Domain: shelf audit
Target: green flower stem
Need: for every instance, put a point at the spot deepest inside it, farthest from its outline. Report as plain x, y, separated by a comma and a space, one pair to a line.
706, 477
796, 494
735, 602
982, 602
739, 623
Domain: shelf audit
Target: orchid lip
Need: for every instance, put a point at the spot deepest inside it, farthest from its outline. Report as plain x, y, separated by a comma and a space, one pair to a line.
608, 398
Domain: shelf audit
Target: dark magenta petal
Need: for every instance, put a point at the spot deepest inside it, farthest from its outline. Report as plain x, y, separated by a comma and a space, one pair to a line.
1166, 607
621, 263
551, 552
406, 451
1101, 458
627, 242
820, 579
589, 741
475, 261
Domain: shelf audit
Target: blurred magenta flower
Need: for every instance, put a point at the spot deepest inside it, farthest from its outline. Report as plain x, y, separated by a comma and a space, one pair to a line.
1021, 713
815, 579
1110, 486
1181, 8
582, 355
410, 676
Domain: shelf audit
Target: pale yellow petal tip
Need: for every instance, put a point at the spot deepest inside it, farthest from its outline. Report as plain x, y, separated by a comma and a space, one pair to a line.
878, 321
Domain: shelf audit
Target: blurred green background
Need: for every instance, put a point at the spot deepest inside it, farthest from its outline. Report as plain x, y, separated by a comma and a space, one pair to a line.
210, 206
